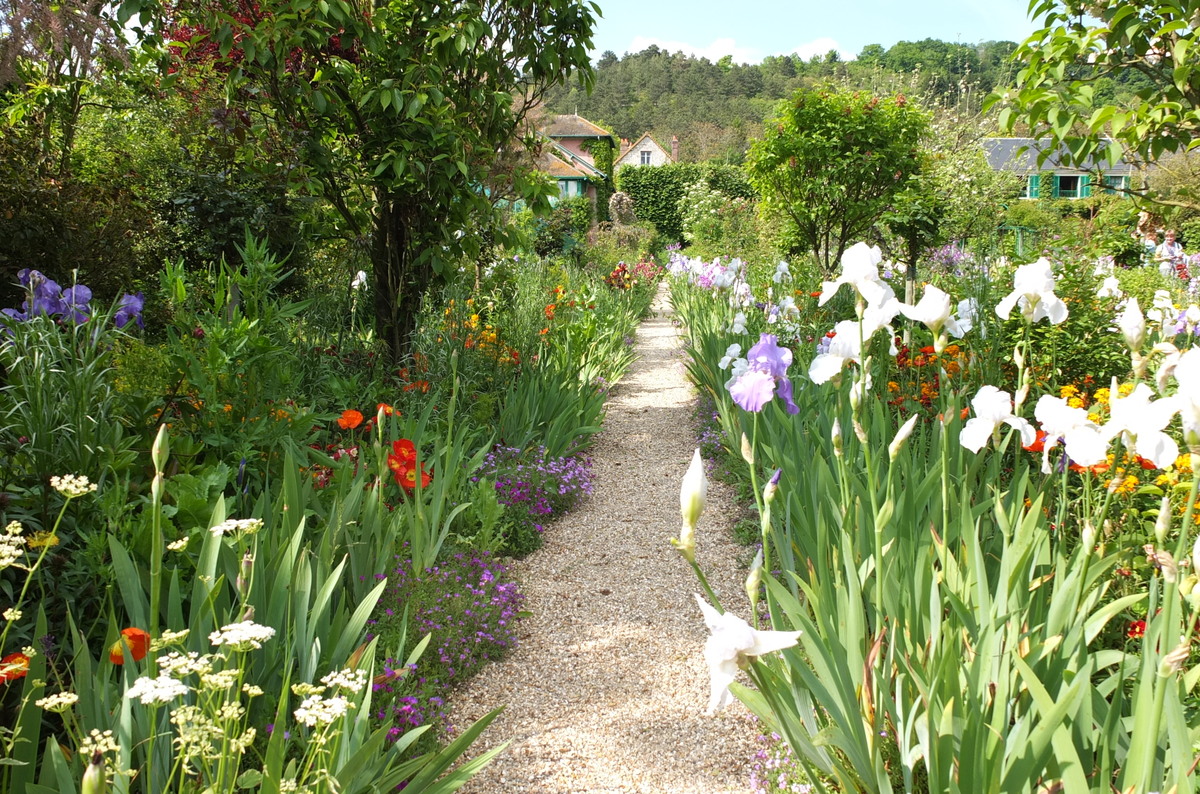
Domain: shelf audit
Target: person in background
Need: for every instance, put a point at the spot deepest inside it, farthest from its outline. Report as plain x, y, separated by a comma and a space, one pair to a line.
1169, 255
1149, 247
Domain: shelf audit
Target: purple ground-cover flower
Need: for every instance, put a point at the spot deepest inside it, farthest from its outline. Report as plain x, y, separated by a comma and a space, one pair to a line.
469, 607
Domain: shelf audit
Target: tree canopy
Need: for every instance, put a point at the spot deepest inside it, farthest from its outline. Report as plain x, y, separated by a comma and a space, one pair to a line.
1063, 91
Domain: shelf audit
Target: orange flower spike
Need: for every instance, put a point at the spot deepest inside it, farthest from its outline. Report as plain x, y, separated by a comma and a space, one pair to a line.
13, 666
136, 640
350, 419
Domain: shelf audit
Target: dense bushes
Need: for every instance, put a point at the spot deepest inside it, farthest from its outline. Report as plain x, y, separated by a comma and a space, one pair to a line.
656, 191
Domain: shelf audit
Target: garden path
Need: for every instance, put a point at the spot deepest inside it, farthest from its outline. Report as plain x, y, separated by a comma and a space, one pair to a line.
607, 687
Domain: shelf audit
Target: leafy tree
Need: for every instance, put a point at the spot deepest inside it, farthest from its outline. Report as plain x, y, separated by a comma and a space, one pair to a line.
1064, 92
831, 163
398, 111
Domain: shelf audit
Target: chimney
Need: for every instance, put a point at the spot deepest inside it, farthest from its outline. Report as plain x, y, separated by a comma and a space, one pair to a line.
675, 148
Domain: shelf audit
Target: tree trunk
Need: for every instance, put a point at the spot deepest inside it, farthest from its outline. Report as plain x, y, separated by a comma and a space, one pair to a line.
400, 279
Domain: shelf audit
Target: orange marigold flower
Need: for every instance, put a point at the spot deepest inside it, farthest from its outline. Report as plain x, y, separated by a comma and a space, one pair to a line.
350, 419
13, 666
136, 640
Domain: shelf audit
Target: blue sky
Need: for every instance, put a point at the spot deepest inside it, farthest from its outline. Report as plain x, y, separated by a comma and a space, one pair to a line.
751, 29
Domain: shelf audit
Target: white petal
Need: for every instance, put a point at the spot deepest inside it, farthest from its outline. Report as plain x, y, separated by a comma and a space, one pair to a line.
720, 677
975, 433
1158, 447
768, 641
825, 367
1028, 432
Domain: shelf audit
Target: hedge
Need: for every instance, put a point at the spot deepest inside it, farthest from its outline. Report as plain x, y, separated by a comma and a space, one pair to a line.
656, 190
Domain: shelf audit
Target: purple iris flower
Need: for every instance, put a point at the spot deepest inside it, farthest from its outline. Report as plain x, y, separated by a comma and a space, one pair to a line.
130, 309
764, 377
75, 302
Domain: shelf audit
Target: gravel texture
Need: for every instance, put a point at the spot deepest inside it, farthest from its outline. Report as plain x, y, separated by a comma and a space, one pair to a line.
607, 687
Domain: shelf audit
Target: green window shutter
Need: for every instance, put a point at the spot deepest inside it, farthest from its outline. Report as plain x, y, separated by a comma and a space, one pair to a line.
1034, 179
1056, 190
1085, 186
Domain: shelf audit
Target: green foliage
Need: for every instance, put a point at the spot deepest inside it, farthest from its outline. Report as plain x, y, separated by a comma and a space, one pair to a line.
715, 224
565, 228
657, 191
831, 162
399, 114
1056, 92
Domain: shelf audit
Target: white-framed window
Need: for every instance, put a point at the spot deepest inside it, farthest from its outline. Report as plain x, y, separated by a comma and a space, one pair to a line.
645, 156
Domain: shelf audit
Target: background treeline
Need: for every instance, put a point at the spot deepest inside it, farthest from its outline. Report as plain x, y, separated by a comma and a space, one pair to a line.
717, 108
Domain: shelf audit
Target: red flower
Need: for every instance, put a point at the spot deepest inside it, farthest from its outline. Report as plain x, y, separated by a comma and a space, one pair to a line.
350, 419
387, 409
136, 640
1039, 443
1146, 464
13, 666
402, 457
408, 481
1137, 629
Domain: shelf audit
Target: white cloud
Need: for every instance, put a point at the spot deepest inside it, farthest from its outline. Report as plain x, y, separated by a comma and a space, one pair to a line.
714, 51
821, 46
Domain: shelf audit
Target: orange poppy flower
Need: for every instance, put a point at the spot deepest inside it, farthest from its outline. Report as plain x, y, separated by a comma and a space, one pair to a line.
350, 419
13, 666
1039, 443
387, 409
136, 640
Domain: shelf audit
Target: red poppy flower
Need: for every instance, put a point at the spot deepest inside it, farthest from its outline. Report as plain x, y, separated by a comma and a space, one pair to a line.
1146, 464
13, 666
1137, 629
408, 479
1039, 443
928, 350
402, 458
136, 640
350, 419
387, 409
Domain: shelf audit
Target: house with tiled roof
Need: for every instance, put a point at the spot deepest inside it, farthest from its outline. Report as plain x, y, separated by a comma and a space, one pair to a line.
575, 175
646, 151
573, 133
1052, 179
566, 156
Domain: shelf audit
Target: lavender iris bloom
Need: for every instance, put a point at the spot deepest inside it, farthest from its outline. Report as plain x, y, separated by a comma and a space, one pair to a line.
764, 377
130, 309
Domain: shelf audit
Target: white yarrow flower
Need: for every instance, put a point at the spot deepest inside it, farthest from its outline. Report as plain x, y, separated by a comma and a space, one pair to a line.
72, 485
163, 689
242, 636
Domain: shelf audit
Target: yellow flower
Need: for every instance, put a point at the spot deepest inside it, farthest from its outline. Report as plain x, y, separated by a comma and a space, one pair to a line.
1075, 402
1067, 391
1126, 389
1094, 417
42, 539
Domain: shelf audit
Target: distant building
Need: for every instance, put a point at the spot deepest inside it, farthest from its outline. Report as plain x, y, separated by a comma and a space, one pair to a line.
567, 160
646, 151
1052, 179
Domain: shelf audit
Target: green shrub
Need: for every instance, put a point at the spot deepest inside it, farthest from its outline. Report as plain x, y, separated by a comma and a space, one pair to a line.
656, 191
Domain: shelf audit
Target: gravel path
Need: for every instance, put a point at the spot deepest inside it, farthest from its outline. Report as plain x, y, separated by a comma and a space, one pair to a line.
607, 688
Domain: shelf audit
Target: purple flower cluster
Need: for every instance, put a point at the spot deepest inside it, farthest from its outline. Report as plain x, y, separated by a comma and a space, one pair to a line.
774, 770
540, 485
46, 298
950, 258
469, 607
